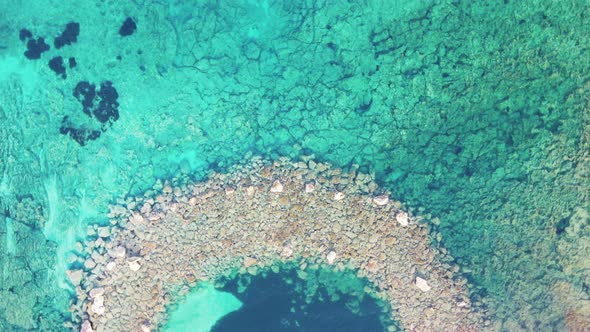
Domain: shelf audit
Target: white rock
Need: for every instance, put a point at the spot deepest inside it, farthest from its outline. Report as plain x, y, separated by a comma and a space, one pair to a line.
98, 305
136, 218
145, 328
381, 200
250, 191
86, 327
331, 257
403, 218
338, 196
111, 265
95, 292
309, 187
277, 187
118, 252
287, 252
229, 190
422, 284
134, 263
90, 264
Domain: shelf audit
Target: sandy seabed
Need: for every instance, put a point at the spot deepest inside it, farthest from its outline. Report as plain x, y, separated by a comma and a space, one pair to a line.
256, 215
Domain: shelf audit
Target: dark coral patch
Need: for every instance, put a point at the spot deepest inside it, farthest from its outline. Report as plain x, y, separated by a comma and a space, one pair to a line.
24, 34
57, 65
35, 47
72, 62
80, 134
68, 36
128, 27
85, 93
108, 107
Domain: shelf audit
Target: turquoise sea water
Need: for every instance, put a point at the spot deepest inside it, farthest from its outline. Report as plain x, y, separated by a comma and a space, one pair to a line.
472, 113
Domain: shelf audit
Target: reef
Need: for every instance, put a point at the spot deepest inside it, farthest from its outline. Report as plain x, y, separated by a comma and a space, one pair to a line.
260, 213
68, 36
57, 65
36, 47
105, 111
128, 27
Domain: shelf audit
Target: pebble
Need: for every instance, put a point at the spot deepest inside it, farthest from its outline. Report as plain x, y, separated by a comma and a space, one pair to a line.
309, 187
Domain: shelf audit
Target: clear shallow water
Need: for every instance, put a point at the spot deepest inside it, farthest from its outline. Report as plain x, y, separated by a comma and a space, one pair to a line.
475, 113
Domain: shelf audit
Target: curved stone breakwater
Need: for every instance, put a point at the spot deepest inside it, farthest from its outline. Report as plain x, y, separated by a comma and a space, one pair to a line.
257, 214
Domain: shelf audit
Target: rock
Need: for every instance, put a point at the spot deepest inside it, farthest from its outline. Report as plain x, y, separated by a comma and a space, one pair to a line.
134, 264
249, 261
136, 218
98, 305
309, 187
250, 191
229, 190
402, 218
86, 327
89, 264
422, 284
381, 200
75, 276
331, 257
167, 189
277, 187
104, 232
111, 265
336, 228
287, 252
118, 252
192, 201
338, 196
372, 266
145, 327
96, 292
